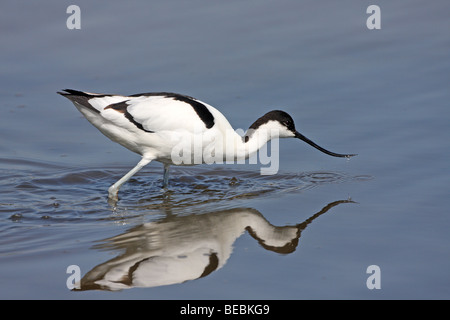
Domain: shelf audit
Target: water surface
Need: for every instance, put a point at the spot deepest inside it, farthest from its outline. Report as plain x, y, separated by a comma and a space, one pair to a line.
224, 231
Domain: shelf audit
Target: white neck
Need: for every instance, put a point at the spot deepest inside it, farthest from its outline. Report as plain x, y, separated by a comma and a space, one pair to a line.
240, 148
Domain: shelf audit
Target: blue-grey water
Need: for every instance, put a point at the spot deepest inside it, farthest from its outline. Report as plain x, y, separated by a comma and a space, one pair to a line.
225, 231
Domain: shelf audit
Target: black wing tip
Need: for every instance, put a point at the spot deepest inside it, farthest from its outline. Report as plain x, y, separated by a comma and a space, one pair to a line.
72, 92
67, 92
80, 98
62, 92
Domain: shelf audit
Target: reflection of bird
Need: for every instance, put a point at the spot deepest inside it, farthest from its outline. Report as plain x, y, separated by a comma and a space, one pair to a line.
160, 126
181, 248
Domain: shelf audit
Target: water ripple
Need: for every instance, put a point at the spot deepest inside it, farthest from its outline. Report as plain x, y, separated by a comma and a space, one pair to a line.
38, 192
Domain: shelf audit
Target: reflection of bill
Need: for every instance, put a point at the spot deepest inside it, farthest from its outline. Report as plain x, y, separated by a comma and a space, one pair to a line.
180, 248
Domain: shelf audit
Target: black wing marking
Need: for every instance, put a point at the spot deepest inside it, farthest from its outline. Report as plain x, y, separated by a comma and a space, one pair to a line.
82, 98
122, 108
202, 111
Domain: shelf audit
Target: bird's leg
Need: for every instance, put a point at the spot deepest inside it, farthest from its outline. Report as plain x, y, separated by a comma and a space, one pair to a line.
114, 189
166, 176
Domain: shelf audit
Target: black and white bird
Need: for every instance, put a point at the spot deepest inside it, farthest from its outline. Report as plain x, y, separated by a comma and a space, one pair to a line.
176, 129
